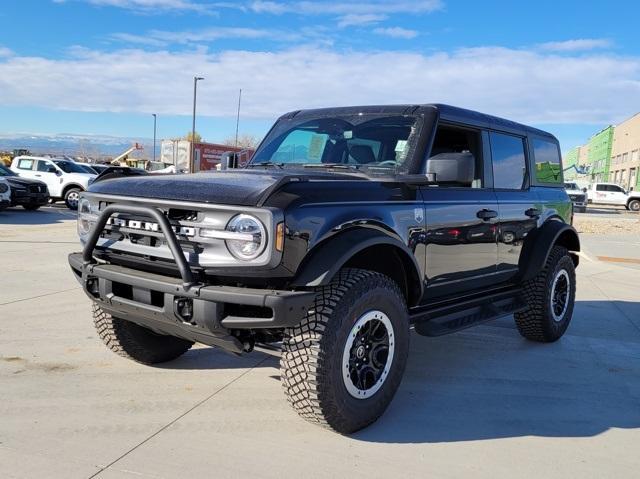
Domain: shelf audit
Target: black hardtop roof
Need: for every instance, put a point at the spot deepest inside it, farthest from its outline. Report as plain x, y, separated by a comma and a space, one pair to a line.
448, 112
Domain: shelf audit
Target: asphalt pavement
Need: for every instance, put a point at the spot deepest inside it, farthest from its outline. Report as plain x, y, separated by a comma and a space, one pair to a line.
480, 403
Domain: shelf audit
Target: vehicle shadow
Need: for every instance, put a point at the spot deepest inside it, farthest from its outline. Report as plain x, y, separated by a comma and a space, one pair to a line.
213, 358
488, 382
606, 210
52, 214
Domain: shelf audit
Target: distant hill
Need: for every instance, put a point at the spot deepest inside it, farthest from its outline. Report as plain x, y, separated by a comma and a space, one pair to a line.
72, 144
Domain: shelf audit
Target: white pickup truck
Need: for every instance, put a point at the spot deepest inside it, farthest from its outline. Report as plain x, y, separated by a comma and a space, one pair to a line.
612, 194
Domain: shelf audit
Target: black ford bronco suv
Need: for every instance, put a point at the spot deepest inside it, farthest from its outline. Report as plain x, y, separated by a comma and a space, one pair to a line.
348, 227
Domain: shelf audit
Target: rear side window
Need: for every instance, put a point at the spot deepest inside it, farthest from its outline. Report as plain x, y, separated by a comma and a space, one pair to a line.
509, 162
601, 187
547, 158
25, 164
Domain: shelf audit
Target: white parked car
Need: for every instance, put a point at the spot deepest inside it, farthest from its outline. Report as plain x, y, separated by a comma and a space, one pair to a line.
64, 178
577, 195
5, 194
612, 194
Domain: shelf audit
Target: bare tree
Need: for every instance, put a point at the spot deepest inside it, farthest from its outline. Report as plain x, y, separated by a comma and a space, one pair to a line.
245, 140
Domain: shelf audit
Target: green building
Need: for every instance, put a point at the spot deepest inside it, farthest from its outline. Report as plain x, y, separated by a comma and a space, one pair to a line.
570, 160
600, 154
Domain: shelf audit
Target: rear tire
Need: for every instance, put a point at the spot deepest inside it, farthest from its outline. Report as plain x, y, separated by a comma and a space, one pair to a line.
341, 366
71, 198
550, 298
134, 342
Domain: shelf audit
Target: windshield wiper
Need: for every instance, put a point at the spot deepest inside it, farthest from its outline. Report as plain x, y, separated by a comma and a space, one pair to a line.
342, 166
266, 163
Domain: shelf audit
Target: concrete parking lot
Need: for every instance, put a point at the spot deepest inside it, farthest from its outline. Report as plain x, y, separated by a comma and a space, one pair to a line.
480, 403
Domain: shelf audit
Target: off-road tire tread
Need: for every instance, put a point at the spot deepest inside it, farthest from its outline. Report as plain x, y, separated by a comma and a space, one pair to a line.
134, 342
531, 321
303, 349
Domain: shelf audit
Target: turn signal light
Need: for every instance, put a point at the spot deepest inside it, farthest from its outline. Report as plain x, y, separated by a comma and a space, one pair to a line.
280, 237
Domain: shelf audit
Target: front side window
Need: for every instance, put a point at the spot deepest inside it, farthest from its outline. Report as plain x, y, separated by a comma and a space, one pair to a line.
69, 167
364, 142
45, 167
547, 158
509, 161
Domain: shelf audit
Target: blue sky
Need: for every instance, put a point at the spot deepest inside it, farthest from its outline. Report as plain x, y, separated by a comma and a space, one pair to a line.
103, 66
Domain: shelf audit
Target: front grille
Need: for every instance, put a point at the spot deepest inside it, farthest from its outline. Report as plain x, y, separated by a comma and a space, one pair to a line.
36, 188
577, 198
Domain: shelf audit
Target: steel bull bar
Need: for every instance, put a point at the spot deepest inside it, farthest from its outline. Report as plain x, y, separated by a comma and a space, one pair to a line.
181, 307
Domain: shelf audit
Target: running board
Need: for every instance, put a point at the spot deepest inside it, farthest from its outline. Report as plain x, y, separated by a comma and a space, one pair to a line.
452, 317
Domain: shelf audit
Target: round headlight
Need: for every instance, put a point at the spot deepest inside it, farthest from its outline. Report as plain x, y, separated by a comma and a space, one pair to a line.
252, 237
3, 187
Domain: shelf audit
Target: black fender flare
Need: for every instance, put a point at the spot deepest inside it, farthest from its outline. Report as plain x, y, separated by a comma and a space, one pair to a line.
324, 261
537, 246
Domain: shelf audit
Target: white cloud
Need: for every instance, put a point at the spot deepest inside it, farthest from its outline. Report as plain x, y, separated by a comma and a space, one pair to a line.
346, 8
360, 19
529, 86
349, 13
150, 6
396, 32
164, 38
5, 52
580, 44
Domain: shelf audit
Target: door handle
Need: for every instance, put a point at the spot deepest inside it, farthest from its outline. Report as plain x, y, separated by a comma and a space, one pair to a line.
486, 214
532, 212
38, 176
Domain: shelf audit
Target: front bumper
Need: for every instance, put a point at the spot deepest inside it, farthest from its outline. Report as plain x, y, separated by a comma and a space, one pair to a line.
153, 301
28, 198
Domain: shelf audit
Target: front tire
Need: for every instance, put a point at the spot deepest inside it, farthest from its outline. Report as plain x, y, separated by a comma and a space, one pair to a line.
134, 342
550, 298
341, 366
31, 206
634, 205
71, 198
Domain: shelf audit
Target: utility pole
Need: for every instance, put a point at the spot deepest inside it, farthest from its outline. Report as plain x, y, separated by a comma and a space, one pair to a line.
238, 117
193, 125
154, 136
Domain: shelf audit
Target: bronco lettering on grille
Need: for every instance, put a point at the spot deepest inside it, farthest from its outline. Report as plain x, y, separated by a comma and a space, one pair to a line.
149, 226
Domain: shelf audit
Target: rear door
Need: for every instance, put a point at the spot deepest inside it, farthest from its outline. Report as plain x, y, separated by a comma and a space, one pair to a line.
461, 219
517, 205
24, 167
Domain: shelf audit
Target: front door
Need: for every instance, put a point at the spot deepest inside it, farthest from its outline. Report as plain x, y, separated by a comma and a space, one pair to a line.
461, 216
47, 172
616, 195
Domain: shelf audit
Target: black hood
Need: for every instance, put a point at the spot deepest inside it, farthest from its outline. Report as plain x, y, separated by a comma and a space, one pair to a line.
19, 181
231, 187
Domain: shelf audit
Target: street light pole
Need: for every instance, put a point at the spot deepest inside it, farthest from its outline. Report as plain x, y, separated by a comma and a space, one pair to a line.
193, 125
154, 136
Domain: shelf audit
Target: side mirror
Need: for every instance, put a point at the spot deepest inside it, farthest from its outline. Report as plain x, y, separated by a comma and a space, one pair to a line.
57, 172
452, 167
584, 190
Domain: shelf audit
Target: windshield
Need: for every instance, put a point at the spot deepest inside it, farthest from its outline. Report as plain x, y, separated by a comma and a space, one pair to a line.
571, 186
357, 141
69, 167
4, 171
